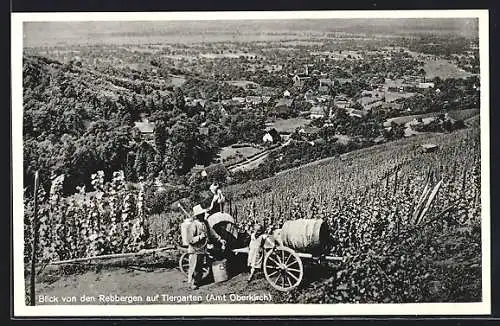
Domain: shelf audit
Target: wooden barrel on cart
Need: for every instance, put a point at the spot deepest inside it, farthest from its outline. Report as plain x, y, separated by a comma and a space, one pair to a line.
305, 235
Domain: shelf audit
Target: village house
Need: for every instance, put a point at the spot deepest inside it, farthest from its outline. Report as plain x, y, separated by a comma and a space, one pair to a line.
325, 82
324, 98
146, 128
273, 68
318, 111
190, 102
198, 169
425, 85
298, 79
341, 103
267, 138
309, 131
256, 100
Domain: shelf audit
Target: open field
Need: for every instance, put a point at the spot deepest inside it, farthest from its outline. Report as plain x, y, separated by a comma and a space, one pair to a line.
242, 152
444, 69
408, 118
242, 83
463, 114
288, 125
177, 81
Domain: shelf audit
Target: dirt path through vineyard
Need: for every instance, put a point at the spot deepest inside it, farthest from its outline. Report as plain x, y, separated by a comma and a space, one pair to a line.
161, 281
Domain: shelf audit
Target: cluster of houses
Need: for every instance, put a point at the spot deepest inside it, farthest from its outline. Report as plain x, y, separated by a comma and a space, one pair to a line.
382, 95
239, 101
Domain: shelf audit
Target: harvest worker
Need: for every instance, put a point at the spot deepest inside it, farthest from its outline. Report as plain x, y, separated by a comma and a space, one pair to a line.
218, 200
198, 238
256, 249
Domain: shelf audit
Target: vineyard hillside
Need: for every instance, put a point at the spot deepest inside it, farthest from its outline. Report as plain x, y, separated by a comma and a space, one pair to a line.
395, 247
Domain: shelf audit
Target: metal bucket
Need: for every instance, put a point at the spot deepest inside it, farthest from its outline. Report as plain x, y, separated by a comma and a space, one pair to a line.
219, 270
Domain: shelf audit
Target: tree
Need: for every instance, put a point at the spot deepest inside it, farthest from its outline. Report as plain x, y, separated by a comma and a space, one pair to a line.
160, 138
180, 102
145, 154
180, 146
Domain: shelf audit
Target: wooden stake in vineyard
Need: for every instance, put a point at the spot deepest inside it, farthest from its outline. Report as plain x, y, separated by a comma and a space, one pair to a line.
34, 228
395, 181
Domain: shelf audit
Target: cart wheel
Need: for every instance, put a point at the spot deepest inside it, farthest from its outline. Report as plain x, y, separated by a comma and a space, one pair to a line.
184, 266
283, 269
184, 263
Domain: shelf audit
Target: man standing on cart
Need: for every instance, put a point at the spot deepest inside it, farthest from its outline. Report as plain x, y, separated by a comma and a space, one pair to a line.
198, 240
218, 200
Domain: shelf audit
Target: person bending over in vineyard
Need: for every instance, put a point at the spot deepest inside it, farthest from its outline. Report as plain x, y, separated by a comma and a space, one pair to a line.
199, 235
218, 200
256, 249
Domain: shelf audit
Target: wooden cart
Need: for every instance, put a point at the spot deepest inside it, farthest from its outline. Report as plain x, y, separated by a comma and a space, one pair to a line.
283, 266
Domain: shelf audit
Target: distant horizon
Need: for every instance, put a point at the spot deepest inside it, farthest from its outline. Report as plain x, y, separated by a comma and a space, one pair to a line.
116, 32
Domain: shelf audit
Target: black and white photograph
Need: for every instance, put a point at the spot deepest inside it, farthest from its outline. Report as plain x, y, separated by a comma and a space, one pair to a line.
251, 163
